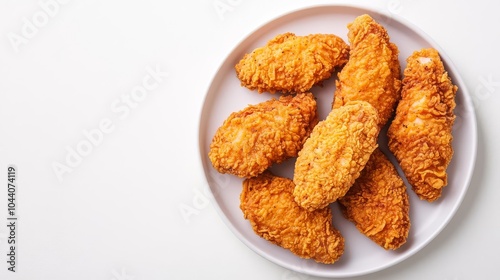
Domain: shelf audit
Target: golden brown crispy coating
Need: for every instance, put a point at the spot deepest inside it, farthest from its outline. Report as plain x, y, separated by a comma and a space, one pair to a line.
254, 138
378, 203
334, 155
420, 135
291, 64
372, 73
267, 202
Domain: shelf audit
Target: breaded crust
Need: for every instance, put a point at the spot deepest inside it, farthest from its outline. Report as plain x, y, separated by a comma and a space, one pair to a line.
292, 64
334, 155
378, 203
251, 140
267, 202
372, 73
421, 134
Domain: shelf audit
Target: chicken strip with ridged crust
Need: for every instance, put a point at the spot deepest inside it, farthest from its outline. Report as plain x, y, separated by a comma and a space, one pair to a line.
372, 73
267, 202
334, 155
378, 203
421, 134
292, 64
251, 140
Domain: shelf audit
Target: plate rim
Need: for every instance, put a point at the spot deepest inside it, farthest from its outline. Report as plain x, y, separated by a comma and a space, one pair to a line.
458, 80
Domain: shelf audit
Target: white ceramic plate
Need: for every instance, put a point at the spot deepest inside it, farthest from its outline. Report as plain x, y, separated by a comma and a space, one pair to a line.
361, 256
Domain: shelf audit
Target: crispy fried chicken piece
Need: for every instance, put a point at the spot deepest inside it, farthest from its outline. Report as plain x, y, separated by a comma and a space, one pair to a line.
251, 140
372, 73
378, 203
420, 135
290, 64
334, 155
267, 202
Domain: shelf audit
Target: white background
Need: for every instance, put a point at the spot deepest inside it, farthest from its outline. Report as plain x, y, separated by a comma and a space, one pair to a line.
117, 215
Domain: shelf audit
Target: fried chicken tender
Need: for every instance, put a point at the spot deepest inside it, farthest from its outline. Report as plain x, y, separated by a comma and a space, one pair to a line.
372, 73
334, 155
267, 202
378, 203
421, 134
292, 64
251, 140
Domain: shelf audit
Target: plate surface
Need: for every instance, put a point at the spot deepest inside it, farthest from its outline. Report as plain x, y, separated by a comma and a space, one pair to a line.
362, 256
